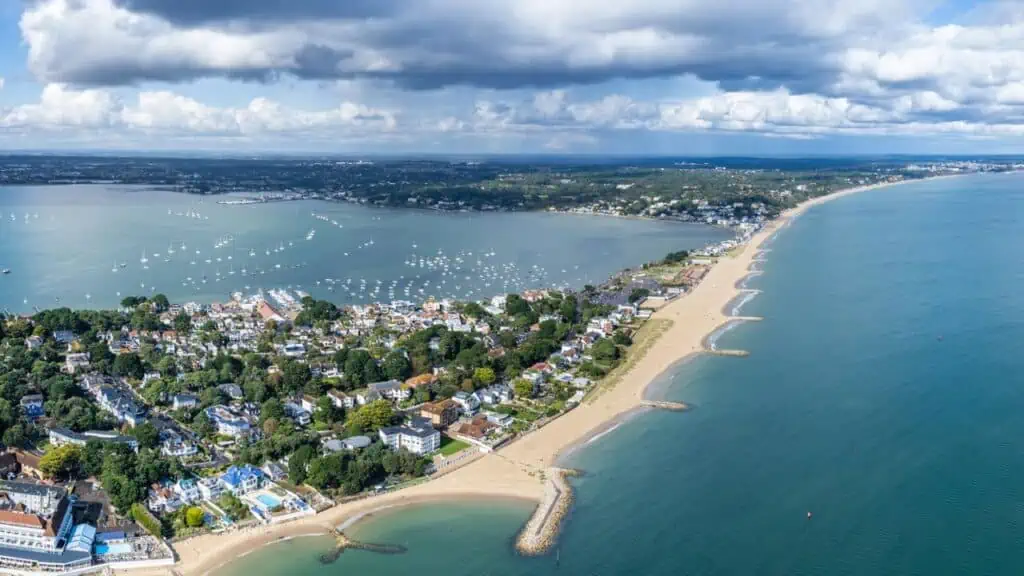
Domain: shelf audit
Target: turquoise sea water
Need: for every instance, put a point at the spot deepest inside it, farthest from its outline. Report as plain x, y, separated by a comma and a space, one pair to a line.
883, 392
66, 251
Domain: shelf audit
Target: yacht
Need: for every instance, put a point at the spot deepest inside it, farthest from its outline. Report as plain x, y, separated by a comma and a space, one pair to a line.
6, 271
143, 259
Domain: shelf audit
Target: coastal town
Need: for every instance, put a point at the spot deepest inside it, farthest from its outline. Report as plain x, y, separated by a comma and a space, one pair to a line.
695, 190
128, 431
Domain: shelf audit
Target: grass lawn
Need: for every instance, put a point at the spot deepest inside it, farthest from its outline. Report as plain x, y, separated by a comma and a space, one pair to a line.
451, 446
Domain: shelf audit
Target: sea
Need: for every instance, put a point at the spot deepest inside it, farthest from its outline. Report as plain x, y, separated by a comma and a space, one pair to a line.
92, 245
883, 394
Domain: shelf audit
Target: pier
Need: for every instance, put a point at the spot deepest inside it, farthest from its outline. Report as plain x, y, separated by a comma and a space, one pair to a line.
665, 405
541, 531
746, 318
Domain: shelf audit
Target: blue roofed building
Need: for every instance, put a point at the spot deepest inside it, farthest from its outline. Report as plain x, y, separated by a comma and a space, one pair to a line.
241, 479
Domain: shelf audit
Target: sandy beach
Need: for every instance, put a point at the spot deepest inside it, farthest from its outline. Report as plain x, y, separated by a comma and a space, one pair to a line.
518, 470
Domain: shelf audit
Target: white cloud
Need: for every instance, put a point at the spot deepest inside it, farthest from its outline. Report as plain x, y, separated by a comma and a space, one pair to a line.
796, 68
433, 43
167, 113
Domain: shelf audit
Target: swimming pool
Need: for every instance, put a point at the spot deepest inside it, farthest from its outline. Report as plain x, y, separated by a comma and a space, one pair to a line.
269, 500
117, 548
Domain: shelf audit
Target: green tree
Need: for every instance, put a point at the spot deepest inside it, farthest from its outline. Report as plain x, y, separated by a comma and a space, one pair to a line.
160, 303
146, 434
15, 436
605, 351
183, 323
294, 376
355, 360
484, 376
372, 372
397, 366
523, 388
326, 412
132, 301
62, 462
569, 309
129, 365
621, 338
516, 306
372, 416
194, 517
272, 408
638, 294
297, 463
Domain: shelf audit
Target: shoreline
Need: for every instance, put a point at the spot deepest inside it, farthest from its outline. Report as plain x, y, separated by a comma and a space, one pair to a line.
523, 469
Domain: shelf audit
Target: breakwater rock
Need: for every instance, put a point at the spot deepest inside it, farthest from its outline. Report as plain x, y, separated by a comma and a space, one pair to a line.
541, 531
343, 543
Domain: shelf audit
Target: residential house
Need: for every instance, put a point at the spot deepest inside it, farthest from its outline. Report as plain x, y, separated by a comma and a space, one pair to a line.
233, 391
32, 406
64, 337
174, 445
242, 479
308, 403
33, 342
421, 380
502, 420
418, 437
391, 389
163, 499
274, 471
333, 445
228, 422
120, 402
477, 428
61, 436
441, 414
340, 399
184, 401
468, 403
356, 442
74, 363
496, 394
295, 412
210, 488
187, 490
294, 350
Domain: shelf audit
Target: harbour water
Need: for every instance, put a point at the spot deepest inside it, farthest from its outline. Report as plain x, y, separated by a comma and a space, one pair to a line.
882, 394
84, 246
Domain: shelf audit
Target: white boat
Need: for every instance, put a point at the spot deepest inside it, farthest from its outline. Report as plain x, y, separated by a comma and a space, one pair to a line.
143, 259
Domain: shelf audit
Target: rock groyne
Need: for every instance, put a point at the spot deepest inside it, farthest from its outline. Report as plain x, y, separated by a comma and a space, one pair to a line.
541, 531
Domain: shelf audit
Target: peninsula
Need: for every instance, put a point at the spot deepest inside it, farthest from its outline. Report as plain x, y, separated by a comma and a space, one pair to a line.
528, 468
334, 416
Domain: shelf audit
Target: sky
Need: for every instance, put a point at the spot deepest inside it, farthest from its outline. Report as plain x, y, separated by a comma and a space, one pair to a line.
639, 77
